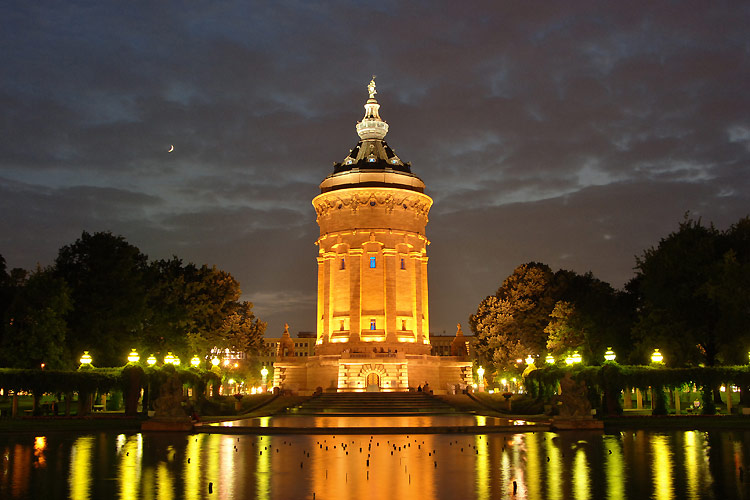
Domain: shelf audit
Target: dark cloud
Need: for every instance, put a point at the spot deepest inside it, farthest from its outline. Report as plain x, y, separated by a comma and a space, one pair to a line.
576, 135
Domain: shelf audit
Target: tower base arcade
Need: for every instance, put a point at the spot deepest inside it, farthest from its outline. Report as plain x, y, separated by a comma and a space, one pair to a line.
372, 371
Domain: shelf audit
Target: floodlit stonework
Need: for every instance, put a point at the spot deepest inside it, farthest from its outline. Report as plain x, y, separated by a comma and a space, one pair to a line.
373, 312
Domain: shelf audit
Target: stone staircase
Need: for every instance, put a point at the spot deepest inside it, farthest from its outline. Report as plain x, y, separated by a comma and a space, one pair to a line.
373, 403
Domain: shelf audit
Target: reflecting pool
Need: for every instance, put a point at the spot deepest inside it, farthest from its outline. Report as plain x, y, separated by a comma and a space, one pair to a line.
372, 421
529, 465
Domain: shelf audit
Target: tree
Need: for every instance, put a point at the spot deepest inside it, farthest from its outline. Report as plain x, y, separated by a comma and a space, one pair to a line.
196, 309
565, 331
35, 328
510, 324
536, 311
107, 279
692, 294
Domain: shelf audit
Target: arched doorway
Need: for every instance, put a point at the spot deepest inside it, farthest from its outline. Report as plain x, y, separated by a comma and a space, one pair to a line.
373, 381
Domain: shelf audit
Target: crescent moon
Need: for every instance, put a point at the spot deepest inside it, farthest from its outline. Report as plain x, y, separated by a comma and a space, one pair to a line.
171, 148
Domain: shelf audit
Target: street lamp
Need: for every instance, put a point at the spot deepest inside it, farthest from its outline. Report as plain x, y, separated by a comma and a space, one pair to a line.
151, 360
529, 360
133, 357
610, 354
656, 357
550, 360
176, 361
264, 374
169, 358
215, 361
85, 359
480, 373
195, 361
573, 359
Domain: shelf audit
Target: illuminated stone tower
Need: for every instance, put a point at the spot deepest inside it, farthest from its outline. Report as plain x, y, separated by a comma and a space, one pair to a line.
372, 261
373, 320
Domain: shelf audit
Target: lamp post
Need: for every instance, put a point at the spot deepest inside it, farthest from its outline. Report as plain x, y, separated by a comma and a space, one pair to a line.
529, 360
195, 361
85, 359
609, 355
264, 374
657, 357
169, 358
133, 357
550, 360
151, 360
215, 361
480, 374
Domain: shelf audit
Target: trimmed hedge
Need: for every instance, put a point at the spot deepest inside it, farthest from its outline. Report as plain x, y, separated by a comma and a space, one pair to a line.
614, 377
89, 380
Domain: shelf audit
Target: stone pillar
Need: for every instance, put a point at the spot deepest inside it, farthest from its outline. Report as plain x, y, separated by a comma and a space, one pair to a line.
729, 399
104, 402
638, 399
355, 301
389, 284
677, 408
14, 406
627, 398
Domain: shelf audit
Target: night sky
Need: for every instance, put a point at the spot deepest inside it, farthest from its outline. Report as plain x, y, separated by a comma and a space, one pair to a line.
571, 133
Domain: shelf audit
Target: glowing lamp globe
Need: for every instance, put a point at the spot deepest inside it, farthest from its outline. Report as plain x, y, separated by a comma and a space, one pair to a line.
176, 361
86, 358
133, 357
550, 360
480, 373
195, 361
656, 357
577, 357
529, 360
151, 360
264, 372
215, 361
569, 360
610, 354
230, 381
169, 358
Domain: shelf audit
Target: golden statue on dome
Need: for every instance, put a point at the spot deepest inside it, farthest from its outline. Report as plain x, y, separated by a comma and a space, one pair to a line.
371, 88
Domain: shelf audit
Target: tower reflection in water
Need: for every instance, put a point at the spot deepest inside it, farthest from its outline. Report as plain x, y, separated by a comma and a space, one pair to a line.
541, 465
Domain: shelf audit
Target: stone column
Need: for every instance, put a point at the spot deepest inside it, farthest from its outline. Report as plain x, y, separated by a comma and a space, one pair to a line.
389, 278
729, 399
14, 406
677, 408
627, 398
638, 399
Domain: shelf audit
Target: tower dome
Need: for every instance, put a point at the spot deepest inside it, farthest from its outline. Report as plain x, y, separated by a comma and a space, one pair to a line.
372, 162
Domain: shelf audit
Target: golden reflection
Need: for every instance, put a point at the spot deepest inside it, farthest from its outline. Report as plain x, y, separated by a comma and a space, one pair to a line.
582, 488
263, 467
518, 471
79, 478
482, 467
264, 421
40, 444
554, 468
691, 464
21, 475
615, 467
164, 482
661, 468
192, 467
533, 466
130, 451
229, 454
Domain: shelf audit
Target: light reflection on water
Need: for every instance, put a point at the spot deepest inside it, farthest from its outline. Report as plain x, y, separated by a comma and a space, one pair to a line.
541, 465
318, 421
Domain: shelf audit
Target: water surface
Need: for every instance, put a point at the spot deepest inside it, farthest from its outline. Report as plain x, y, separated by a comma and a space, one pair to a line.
539, 465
